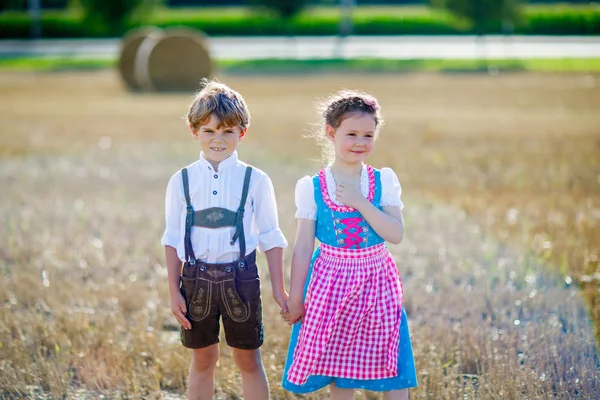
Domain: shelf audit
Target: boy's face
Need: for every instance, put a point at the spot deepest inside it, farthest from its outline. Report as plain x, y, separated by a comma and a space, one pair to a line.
218, 141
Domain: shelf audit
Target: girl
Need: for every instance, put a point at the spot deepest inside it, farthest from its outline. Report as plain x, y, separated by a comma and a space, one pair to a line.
353, 332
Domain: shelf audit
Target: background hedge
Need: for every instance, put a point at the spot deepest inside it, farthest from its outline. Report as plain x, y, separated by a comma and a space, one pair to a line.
546, 20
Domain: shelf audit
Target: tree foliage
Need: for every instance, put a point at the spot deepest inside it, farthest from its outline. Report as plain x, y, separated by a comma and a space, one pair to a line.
286, 9
483, 14
115, 14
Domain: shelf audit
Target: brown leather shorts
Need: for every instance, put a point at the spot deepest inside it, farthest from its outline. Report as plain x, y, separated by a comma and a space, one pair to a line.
214, 291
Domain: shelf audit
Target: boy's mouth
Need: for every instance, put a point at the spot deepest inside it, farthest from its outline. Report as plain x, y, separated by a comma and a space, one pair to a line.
218, 148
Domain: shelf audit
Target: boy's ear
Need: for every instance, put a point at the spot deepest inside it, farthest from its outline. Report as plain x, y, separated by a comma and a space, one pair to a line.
329, 132
194, 132
243, 133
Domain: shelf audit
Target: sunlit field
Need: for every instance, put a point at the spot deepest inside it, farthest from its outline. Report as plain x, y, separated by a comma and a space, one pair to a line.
501, 182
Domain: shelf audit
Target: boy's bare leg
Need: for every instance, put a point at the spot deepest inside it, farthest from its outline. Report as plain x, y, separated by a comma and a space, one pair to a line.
396, 395
254, 378
340, 394
201, 381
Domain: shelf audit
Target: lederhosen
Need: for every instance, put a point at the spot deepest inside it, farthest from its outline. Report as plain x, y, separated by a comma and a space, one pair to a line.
230, 291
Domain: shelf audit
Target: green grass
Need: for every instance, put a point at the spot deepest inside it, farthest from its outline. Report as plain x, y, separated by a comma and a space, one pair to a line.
54, 64
329, 65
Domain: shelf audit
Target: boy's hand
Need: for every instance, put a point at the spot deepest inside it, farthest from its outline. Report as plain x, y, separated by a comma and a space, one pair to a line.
295, 311
281, 299
178, 308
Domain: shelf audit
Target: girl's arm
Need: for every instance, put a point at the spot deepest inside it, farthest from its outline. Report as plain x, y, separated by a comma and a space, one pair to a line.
303, 249
388, 223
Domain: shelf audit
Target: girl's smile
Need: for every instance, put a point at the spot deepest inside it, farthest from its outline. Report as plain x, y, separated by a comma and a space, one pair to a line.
353, 139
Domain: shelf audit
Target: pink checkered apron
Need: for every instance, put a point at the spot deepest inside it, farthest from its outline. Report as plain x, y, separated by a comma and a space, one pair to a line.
352, 321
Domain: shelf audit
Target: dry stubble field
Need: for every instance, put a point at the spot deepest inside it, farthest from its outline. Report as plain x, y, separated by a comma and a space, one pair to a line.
501, 181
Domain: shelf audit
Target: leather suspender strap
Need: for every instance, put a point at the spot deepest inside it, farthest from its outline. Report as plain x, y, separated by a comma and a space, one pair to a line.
189, 220
239, 219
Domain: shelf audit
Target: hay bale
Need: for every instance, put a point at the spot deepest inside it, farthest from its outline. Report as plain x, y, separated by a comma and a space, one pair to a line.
130, 44
177, 61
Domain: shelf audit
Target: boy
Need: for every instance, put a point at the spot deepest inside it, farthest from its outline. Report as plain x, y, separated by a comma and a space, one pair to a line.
218, 211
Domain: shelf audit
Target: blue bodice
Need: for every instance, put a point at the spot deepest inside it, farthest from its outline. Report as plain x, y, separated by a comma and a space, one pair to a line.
345, 228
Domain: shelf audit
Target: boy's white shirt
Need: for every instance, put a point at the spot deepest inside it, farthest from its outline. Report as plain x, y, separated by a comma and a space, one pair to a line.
261, 225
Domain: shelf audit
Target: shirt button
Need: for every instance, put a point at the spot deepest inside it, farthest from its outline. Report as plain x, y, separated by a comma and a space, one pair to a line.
214, 192
215, 176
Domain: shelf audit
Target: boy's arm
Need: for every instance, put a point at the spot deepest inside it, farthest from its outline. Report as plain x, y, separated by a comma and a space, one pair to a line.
270, 238
173, 211
275, 263
178, 307
303, 249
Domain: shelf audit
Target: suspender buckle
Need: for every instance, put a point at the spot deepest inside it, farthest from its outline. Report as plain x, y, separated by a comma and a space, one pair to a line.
190, 210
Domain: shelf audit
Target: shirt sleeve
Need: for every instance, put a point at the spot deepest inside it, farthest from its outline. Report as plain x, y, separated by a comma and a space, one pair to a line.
174, 206
306, 208
265, 216
391, 189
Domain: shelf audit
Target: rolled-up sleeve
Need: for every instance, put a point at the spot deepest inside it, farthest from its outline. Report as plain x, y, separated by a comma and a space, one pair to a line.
174, 206
306, 208
391, 189
265, 216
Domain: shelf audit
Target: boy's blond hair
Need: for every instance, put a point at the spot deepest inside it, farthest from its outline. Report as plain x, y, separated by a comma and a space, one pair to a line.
216, 97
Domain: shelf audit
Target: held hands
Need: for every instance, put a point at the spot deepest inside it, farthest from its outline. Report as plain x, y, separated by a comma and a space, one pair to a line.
281, 297
349, 195
178, 308
295, 311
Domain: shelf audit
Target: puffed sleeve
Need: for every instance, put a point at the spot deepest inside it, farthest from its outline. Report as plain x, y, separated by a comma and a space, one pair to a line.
306, 208
391, 189
174, 205
266, 215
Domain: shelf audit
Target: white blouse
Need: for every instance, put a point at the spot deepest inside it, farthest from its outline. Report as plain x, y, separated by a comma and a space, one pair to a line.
223, 188
306, 208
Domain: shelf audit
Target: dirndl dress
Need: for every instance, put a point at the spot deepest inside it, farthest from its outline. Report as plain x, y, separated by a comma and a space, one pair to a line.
355, 331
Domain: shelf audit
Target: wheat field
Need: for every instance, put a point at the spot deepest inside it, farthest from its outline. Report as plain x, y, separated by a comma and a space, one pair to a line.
501, 182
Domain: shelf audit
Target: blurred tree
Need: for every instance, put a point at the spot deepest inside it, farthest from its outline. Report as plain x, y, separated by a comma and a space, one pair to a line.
484, 15
115, 15
286, 9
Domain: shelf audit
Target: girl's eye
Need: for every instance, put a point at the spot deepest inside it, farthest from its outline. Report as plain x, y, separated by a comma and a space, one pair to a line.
228, 131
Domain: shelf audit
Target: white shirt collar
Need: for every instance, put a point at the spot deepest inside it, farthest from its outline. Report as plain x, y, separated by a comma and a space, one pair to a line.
223, 165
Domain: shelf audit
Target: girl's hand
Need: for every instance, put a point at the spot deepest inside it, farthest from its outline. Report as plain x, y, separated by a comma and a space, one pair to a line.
295, 312
349, 195
178, 308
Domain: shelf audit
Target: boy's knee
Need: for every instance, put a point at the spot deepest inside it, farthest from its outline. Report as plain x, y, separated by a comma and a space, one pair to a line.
248, 362
204, 361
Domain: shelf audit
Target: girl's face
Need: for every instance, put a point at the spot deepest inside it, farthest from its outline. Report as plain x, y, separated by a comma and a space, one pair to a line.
353, 139
218, 141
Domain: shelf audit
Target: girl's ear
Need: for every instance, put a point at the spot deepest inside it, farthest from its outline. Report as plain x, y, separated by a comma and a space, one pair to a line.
194, 132
329, 132
243, 133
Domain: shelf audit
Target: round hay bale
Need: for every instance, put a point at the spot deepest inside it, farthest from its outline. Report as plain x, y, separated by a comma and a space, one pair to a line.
130, 44
177, 61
